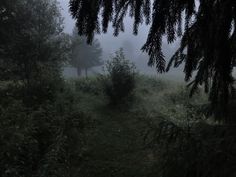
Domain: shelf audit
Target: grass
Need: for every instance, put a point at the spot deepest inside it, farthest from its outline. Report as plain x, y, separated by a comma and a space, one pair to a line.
115, 144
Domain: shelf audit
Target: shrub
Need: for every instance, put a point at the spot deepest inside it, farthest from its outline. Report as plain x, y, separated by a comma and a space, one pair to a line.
119, 79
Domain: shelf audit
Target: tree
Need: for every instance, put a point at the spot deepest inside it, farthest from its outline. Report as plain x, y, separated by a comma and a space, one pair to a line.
35, 47
85, 56
40, 128
119, 79
208, 40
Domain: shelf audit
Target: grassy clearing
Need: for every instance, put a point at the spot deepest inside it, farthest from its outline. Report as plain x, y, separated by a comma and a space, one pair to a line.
116, 140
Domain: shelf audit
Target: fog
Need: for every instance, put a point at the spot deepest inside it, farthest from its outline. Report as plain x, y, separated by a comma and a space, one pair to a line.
133, 52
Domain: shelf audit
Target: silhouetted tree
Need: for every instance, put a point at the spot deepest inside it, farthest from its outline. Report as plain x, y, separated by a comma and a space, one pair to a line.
85, 56
208, 38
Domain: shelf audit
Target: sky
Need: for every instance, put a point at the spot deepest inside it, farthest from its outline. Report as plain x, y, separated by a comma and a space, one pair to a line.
110, 44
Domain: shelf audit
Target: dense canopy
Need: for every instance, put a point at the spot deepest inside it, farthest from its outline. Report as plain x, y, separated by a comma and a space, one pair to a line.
206, 28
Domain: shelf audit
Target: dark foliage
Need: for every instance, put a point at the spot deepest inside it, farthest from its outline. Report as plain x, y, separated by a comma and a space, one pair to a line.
43, 141
208, 37
34, 48
40, 127
187, 144
119, 83
196, 149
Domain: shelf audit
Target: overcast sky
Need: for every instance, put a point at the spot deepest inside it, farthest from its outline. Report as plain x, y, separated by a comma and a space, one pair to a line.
110, 43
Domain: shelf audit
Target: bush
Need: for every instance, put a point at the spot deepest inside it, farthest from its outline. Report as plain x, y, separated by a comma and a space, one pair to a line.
119, 79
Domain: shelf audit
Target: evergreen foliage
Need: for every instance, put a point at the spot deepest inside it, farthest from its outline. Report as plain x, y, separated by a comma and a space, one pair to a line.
208, 36
196, 147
